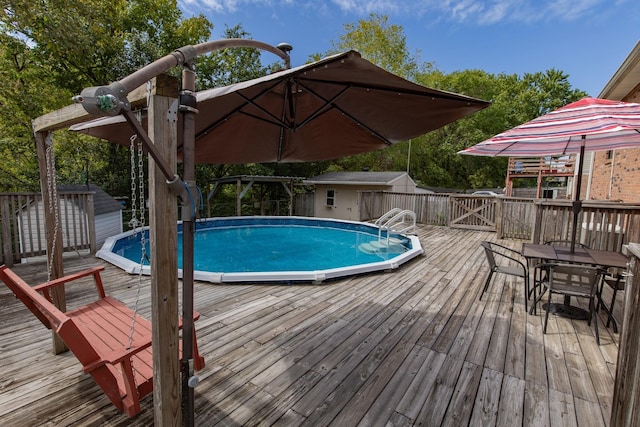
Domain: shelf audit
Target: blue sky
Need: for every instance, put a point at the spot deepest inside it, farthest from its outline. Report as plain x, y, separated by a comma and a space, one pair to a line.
587, 39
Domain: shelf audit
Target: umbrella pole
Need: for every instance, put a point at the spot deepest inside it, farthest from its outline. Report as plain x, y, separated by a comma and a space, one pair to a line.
577, 203
188, 109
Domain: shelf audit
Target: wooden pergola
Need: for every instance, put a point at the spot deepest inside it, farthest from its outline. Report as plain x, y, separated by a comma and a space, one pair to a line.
244, 183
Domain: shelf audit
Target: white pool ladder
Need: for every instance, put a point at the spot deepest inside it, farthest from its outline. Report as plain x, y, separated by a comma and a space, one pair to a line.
396, 220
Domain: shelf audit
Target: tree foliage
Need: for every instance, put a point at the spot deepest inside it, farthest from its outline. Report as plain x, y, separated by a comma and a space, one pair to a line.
28, 90
514, 100
95, 42
382, 43
51, 49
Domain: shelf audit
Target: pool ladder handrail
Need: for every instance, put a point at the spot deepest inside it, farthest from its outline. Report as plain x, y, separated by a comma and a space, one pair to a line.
389, 214
394, 218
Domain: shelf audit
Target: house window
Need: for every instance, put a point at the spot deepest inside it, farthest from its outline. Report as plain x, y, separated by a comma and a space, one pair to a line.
549, 194
331, 198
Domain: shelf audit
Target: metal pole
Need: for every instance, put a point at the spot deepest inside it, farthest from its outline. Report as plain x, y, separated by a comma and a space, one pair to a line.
577, 203
188, 110
111, 100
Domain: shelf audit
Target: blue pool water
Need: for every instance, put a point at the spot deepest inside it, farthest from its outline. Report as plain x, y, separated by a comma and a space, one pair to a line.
276, 249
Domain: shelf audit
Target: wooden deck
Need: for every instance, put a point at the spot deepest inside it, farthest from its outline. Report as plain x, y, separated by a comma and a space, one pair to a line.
410, 347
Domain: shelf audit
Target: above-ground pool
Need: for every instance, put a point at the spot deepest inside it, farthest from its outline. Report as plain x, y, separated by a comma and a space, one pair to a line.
275, 249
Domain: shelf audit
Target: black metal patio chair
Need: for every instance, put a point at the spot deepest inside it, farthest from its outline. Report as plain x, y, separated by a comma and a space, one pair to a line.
540, 272
617, 282
572, 280
504, 260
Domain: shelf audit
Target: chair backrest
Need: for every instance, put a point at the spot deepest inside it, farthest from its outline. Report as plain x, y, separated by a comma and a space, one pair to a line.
45, 311
564, 243
576, 279
488, 251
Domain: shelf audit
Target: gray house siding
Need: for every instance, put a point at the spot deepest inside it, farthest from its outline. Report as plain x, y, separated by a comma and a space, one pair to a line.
346, 186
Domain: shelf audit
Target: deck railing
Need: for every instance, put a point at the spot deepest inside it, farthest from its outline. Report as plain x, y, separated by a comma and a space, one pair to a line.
22, 224
601, 225
545, 166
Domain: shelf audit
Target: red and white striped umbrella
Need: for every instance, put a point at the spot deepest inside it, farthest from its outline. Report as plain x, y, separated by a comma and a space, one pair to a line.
592, 123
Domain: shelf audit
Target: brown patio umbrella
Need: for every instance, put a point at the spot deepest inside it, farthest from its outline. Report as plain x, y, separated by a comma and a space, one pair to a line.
338, 106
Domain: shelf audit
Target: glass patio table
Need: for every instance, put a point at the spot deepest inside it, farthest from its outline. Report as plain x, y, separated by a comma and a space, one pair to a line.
550, 253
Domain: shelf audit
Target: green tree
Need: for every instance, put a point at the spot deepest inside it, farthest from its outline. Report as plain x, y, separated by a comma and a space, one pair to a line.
28, 90
51, 49
382, 43
514, 99
93, 42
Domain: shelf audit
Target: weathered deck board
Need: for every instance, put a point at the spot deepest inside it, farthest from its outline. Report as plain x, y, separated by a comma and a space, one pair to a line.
411, 347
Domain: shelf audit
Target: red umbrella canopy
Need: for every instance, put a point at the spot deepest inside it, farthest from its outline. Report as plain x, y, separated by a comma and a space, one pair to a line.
600, 124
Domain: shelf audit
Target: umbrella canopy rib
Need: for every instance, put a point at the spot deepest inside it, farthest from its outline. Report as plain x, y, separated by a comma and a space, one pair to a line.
239, 110
421, 91
332, 103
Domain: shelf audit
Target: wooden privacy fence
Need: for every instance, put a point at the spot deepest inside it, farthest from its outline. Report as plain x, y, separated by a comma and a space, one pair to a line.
601, 225
473, 212
430, 209
23, 230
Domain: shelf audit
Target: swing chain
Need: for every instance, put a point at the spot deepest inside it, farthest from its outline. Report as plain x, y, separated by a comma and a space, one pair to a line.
53, 198
133, 223
137, 223
141, 188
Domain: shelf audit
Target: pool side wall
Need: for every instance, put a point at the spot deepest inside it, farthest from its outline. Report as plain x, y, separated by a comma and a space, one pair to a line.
106, 252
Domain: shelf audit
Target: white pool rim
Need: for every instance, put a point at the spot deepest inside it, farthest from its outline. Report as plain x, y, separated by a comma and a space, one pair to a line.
314, 276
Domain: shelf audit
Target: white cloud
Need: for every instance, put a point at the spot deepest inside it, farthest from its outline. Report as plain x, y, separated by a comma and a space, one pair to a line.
229, 6
480, 12
571, 9
370, 6
487, 12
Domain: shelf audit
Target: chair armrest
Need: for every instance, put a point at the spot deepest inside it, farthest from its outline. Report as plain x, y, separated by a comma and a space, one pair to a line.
95, 272
519, 261
116, 357
505, 248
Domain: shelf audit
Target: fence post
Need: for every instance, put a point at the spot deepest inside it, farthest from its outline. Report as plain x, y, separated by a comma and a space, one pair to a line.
626, 393
499, 211
5, 220
537, 222
91, 222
